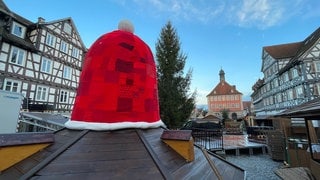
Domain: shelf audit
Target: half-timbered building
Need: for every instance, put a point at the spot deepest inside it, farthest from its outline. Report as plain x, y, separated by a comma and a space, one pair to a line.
291, 76
41, 60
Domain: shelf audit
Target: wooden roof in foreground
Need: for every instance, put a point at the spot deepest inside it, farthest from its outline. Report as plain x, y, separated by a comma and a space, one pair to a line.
121, 154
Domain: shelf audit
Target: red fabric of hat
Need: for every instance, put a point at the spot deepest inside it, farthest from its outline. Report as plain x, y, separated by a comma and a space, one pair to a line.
118, 85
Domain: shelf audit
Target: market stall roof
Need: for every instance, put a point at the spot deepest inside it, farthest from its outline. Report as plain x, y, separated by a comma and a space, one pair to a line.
307, 110
120, 154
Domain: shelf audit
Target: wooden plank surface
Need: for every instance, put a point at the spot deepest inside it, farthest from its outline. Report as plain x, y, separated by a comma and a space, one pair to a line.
296, 173
184, 135
104, 152
25, 138
116, 155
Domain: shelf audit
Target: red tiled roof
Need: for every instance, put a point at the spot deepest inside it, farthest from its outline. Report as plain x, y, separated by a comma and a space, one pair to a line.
223, 88
305, 46
283, 50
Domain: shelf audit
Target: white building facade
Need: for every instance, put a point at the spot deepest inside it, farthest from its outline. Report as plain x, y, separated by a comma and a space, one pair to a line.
291, 76
41, 60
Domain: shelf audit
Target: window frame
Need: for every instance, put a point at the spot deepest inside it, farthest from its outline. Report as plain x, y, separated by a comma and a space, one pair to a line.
295, 73
299, 91
14, 27
50, 40
317, 89
285, 77
67, 72
75, 52
18, 59
290, 94
67, 28
317, 66
42, 93
64, 96
45, 67
18, 85
64, 46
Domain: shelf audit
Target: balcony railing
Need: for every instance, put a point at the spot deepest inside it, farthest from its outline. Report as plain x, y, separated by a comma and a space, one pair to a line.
210, 139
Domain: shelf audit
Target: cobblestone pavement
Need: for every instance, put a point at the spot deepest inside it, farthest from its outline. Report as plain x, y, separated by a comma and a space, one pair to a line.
257, 167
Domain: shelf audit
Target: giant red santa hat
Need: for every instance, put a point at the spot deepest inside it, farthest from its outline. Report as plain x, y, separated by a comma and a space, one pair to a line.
118, 84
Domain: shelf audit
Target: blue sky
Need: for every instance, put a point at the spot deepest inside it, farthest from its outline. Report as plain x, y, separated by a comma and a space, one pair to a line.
214, 34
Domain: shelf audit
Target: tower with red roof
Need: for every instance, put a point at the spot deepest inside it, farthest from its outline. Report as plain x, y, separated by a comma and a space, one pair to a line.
225, 97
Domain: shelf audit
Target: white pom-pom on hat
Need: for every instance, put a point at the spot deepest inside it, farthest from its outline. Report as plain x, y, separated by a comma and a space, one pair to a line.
126, 25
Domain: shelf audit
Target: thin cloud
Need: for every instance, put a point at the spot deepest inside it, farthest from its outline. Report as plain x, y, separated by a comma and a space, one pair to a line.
256, 12
243, 13
265, 13
201, 11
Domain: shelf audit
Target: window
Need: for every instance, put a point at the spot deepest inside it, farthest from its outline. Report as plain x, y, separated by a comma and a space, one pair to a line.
11, 85
46, 65
275, 82
317, 65
295, 73
317, 89
17, 56
64, 96
18, 30
290, 94
67, 28
299, 91
284, 96
279, 98
67, 72
42, 93
285, 77
50, 40
75, 52
64, 47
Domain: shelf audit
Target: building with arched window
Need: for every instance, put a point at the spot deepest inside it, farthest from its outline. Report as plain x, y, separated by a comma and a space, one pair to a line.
225, 97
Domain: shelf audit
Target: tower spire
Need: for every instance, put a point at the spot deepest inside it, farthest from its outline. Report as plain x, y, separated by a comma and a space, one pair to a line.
221, 74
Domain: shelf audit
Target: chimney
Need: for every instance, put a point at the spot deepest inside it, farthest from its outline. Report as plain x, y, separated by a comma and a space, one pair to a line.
41, 20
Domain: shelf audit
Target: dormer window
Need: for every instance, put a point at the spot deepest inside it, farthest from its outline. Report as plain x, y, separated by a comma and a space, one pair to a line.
18, 30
